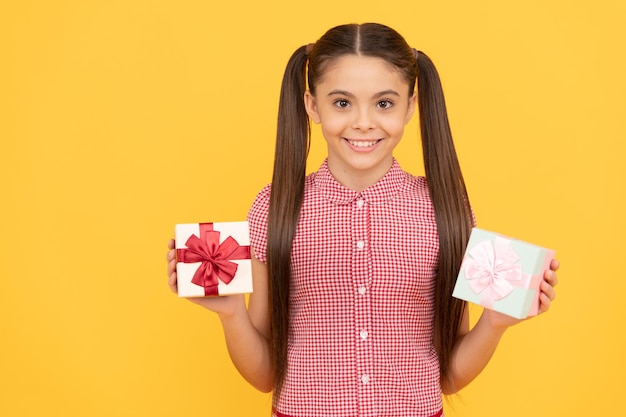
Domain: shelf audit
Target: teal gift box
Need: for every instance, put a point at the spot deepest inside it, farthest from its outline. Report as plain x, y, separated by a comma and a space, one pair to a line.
502, 273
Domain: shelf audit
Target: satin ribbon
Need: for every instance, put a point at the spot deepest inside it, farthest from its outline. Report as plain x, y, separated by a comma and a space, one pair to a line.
216, 259
492, 270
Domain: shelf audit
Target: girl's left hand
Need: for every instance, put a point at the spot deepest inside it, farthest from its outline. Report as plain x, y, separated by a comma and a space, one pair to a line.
546, 297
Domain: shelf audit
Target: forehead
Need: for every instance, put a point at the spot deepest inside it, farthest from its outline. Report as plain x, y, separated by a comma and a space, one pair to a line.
361, 73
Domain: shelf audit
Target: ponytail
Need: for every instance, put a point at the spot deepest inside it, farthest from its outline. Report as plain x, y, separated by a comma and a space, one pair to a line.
451, 205
292, 147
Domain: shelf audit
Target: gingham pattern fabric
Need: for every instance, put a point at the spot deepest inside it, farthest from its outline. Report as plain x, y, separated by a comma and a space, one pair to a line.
363, 268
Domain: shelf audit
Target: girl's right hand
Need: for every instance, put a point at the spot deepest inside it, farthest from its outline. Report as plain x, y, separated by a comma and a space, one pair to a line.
225, 306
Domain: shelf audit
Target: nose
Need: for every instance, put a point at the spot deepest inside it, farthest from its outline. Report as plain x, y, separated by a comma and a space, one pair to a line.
363, 120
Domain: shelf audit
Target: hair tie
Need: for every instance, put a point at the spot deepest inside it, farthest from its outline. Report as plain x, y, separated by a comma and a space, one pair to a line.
415, 53
309, 47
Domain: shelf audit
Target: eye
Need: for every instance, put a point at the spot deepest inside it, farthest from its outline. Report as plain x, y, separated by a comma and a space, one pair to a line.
342, 103
384, 104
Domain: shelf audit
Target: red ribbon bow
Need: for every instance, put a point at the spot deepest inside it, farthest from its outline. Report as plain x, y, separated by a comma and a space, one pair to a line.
216, 259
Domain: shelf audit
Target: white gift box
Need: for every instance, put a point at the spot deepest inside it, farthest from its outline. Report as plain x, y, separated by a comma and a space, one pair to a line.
213, 259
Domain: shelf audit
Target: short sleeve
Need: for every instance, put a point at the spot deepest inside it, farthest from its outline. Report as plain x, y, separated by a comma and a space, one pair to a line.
257, 221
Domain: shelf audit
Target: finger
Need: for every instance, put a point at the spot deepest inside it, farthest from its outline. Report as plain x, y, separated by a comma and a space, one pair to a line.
545, 302
171, 255
171, 244
171, 267
172, 282
548, 290
551, 278
554, 265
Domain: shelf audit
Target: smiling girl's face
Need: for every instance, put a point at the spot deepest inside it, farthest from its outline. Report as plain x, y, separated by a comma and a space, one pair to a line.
363, 105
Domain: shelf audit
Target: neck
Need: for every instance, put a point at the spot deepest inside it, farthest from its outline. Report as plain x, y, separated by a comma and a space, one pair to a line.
358, 179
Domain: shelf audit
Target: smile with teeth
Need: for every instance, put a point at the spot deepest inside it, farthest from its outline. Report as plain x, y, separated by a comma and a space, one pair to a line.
363, 143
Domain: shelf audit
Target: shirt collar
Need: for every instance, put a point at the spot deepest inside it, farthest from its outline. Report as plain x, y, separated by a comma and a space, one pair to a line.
384, 190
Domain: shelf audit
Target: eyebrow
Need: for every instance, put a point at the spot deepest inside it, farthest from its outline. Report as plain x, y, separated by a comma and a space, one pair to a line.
377, 95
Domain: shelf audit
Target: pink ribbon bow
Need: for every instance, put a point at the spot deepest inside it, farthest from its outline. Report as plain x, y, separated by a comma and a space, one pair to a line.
216, 259
492, 269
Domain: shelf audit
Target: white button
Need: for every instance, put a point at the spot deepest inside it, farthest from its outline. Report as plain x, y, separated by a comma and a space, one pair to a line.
362, 290
360, 244
365, 379
359, 203
363, 334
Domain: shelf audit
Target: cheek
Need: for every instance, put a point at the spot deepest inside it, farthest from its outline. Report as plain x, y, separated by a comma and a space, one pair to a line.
332, 126
396, 128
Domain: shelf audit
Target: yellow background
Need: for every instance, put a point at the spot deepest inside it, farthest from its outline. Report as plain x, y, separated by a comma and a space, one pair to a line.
119, 119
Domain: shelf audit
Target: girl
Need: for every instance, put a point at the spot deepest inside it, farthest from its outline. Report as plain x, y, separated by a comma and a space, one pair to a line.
354, 265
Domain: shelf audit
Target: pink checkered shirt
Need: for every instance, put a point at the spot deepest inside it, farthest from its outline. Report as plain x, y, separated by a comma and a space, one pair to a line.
363, 269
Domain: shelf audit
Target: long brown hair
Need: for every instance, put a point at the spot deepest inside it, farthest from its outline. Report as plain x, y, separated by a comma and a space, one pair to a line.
443, 173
